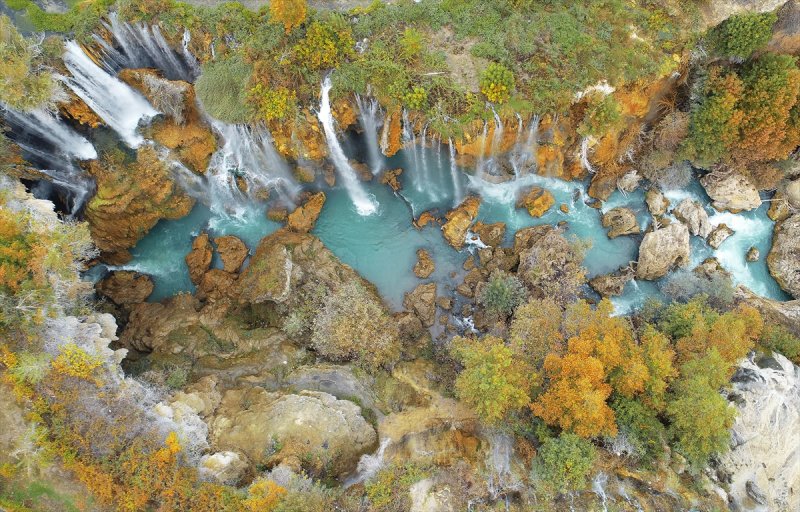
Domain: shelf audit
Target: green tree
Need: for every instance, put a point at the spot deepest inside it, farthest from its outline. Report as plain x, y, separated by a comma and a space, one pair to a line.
779, 339
563, 464
502, 294
25, 84
742, 34
603, 113
536, 330
492, 382
222, 88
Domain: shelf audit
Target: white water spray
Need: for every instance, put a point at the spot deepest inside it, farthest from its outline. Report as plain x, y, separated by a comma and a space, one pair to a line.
365, 204
458, 193
369, 465
369, 114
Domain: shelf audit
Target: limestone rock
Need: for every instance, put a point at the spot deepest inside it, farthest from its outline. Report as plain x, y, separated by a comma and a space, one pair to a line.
629, 181
763, 468
548, 264
779, 207
536, 200
425, 264
424, 219
459, 220
718, 235
303, 218
621, 221
309, 430
785, 313
656, 202
609, 285
126, 287
783, 259
490, 234
232, 251
716, 11
216, 284
753, 254
277, 214
422, 301
392, 178
694, 216
730, 191
663, 249
792, 192
786, 31
223, 467
199, 258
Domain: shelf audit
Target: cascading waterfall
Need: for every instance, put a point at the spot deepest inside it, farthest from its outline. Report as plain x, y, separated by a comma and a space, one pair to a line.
369, 465
410, 142
585, 156
498, 463
482, 155
145, 47
119, 106
458, 193
369, 113
365, 204
523, 158
497, 140
52, 146
424, 171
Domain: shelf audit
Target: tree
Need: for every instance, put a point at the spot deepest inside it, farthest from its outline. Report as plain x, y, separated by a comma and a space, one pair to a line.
563, 464
641, 428
272, 102
502, 294
603, 113
536, 330
779, 339
497, 83
325, 44
742, 34
222, 89
25, 84
659, 357
492, 382
289, 13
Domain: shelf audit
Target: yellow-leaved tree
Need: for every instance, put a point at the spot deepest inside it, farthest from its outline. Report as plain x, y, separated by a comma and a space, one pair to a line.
289, 13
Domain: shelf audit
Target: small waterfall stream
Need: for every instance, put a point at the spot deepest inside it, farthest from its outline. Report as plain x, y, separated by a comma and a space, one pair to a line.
369, 465
365, 204
369, 113
119, 106
458, 193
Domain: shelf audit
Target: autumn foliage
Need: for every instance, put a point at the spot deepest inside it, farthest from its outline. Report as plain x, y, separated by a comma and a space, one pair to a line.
289, 13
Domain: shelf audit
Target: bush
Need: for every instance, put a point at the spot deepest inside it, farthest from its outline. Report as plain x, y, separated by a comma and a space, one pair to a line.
222, 89
536, 330
779, 339
497, 83
416, 99
603, 114
289, 13
742, 34
684, 285
273, 102
353, 324
502, 294
563, 464
641, 427
23, 83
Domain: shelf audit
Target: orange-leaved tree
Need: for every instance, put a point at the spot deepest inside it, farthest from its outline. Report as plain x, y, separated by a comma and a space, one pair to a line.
289, 13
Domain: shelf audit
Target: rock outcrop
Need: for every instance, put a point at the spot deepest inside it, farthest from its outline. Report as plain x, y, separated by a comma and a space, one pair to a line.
753, 254
784, 256
621, 221
490, 234
785, 313
662, 250
126, 287
199, 258
730, 191
610, 285
392, 178
536, 200
548, 264
303, 218
422, 302
459, 220
309, 431
718, 235
716, 11
656, 202
763, 466
694, 216
786, 31
425, 264
232, 252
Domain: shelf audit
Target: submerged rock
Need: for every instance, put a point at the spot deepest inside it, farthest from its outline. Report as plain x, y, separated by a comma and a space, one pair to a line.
622, 221
763, 466
199, 258
718, 235
126, 287
424, 219
459, 220
610, 285
425, 264
656, 202
303, 218
694, 216
730, 191
422, 301
232, 251
662, 250
536, 200
783, 259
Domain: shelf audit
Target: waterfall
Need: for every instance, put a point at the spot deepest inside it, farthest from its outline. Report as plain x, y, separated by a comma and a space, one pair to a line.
51, 145
364, 203
369, 465
423, 160
145, 47
585, 156
119, 106
523, 158
410, 139
498, 462
599, 488
482, 155
458, 193
369, 115
497, 140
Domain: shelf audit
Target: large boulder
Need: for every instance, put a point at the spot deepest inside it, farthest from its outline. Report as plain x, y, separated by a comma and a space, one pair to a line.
620, 221
459, 220
730, 191
694, 216
199, 258
662, 250
536, 200
786, 31
126, 287
718, 235
785, 313
784, 256
422, 301
490, 234
425, 264
763, 466
310, 431
304, 217
549, 264
717, 11
609, 285
656, 202
232, 252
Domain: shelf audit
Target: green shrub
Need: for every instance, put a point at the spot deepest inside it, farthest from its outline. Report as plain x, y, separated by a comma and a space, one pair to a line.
563, 464
779, 339
502, 294
417, 99
222, 88
640, 424
603, 113
497, 83
742, 34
